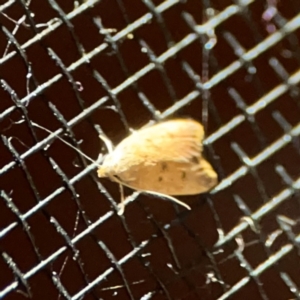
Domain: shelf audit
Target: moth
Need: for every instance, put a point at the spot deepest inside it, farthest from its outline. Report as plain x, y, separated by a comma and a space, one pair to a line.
165, 160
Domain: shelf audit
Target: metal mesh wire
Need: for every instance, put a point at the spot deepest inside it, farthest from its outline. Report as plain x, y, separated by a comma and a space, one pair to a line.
83, 67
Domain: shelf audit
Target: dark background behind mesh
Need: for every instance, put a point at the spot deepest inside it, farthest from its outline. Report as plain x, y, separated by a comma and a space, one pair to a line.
61, 71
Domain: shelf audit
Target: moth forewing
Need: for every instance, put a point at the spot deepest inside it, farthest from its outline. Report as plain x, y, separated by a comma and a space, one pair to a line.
170, 178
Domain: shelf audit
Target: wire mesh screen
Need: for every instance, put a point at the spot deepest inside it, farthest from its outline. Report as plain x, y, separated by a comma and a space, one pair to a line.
81, 68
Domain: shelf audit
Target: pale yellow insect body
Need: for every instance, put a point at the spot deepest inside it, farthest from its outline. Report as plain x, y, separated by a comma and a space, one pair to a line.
165, 158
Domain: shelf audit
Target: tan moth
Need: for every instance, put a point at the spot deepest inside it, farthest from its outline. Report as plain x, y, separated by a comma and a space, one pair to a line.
164, 159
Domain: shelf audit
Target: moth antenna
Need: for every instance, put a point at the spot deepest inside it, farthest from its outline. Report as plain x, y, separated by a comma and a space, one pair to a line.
65, 142
160, 195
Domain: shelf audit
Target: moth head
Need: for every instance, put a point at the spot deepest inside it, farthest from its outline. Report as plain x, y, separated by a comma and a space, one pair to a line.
105, 169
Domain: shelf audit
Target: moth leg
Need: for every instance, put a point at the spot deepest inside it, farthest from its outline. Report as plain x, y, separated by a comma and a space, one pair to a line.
107, 142
121, 205
160, 195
